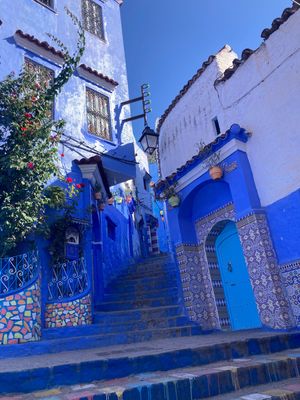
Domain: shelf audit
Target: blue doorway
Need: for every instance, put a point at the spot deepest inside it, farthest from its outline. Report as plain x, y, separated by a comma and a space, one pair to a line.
238, 291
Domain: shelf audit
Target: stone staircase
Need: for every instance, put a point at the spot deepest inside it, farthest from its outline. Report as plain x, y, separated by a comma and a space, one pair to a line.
141, 305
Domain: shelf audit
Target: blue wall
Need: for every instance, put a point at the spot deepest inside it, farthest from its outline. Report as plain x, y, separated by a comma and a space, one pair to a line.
284, 222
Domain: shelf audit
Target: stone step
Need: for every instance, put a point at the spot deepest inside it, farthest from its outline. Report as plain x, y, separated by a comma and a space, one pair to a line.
50, 346
287, 389
116, 328
169, 382
134, 273
136, 286
138, 314
127, 305
150, 294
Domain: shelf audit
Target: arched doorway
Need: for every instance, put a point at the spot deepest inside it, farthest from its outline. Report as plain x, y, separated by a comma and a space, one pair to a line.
240, 301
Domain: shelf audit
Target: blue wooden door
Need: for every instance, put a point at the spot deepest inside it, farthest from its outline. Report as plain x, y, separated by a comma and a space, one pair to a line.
236, 281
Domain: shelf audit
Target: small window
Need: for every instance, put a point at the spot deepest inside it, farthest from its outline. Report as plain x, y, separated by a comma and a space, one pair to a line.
42, 75
98, 115
111, 229
216, 125
92, 18
48, 3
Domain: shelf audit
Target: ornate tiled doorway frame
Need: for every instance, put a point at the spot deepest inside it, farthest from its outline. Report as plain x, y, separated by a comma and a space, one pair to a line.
265, 277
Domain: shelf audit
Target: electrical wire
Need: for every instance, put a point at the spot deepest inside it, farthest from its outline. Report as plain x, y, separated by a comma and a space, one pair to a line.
84, 146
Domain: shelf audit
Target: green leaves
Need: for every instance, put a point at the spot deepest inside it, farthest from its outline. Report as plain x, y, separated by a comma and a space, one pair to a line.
28, 155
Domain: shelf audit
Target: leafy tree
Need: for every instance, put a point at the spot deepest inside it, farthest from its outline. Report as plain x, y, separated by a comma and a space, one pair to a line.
29, 140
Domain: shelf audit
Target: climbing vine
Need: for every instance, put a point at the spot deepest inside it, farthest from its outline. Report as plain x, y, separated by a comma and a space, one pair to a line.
29, 139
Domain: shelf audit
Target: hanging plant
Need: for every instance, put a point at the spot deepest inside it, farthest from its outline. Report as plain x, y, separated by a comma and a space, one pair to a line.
29, 149
211, 160
170, 195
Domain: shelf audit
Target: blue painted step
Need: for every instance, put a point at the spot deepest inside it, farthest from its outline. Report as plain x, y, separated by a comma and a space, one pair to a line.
125, 304
116, 328
150, 294
108, 367
142, 285
51, 346
135, 314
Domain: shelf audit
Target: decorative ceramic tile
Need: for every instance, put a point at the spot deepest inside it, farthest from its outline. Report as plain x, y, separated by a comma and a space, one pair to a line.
202, 287
291, 279
20, 316
73, 313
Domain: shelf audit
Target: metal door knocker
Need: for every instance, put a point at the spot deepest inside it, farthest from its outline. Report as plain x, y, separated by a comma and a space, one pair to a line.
229, 267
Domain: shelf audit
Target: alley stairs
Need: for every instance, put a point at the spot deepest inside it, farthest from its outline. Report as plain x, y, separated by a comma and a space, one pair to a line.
142, 346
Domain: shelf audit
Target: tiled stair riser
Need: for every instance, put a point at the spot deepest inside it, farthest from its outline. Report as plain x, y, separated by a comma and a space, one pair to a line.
30, 380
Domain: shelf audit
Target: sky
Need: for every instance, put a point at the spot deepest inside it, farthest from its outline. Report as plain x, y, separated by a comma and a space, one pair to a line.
166, 41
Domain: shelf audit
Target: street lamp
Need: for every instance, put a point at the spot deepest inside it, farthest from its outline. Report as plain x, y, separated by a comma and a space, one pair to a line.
149, 140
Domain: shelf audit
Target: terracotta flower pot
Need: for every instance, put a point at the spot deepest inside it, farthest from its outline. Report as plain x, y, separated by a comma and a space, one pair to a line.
174, 200
216, 172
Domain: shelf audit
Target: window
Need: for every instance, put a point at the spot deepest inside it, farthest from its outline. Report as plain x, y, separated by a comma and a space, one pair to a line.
111, 229
48, 3
42, 75
216, 125
93, 18
98, 115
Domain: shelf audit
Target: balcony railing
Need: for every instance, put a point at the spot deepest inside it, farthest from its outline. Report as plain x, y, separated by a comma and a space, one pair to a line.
18, 272
69, 279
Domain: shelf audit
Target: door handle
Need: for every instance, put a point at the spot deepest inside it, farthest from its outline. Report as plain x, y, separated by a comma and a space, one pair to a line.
229, 267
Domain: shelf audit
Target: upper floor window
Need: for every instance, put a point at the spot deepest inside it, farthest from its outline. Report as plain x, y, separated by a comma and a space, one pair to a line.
216, 125
98, 115
48, 3
42, 75
93, 18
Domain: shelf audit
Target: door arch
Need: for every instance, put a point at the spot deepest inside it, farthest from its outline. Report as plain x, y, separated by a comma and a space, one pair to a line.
238, 291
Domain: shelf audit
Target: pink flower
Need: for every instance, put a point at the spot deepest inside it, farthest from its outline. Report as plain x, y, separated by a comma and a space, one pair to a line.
69, 180
37, 85
78, 186
30, 165
62, 154
23, 129
28, 115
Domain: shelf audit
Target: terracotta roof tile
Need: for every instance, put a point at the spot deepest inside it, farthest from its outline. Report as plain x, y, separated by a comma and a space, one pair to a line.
37, 42
266, 33
184, 90
236, 63
99, 74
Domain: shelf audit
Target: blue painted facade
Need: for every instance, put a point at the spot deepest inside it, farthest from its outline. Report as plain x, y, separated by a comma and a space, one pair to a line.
268, 235
111, 235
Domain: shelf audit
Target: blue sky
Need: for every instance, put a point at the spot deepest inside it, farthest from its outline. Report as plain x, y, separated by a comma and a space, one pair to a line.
166, 41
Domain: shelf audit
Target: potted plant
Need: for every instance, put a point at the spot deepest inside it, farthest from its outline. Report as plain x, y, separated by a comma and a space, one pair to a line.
97, 191
212, 161
170, 195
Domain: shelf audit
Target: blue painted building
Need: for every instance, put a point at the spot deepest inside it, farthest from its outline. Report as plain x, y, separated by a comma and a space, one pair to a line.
112, 223
235, 232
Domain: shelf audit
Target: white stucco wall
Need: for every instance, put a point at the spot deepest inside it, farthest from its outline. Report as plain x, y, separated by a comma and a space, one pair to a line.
262, 96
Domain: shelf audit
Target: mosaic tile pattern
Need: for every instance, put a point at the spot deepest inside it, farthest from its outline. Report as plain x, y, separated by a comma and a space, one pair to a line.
291, 279
20, 316
269, 291
73, 313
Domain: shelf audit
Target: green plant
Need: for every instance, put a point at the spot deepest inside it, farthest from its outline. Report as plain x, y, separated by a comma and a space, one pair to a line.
56, 196
28, 145
168, 192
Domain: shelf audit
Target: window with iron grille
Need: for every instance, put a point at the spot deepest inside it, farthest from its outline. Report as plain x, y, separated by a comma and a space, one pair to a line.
98, 115
93, 18
48, 3
42, 75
